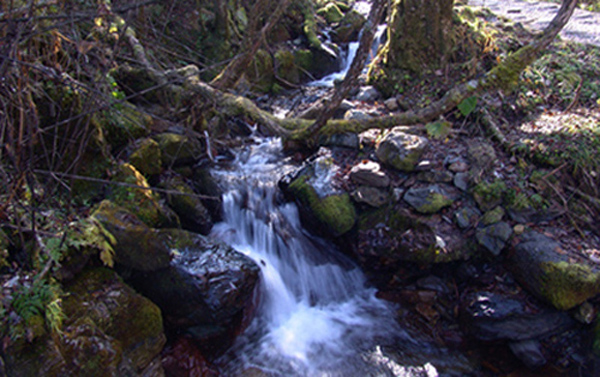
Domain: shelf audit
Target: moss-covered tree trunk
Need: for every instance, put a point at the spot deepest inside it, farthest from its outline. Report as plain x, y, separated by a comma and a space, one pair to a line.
419, 34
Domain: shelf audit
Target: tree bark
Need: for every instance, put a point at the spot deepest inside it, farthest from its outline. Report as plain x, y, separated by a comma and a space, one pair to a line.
419, 34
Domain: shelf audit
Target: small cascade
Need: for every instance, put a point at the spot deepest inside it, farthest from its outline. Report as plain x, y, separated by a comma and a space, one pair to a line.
316, 315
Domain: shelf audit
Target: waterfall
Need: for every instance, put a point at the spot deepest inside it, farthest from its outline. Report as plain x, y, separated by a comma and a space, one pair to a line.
316, 316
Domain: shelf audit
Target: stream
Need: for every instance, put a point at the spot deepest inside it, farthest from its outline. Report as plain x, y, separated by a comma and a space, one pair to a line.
316, 315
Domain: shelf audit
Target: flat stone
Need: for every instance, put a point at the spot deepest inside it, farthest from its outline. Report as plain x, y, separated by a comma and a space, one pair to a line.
401, 150
494, 237
428, 200
371, 195
529, 352
369, 173
367, 94
355, 114
461, 181
467, 217
493, 216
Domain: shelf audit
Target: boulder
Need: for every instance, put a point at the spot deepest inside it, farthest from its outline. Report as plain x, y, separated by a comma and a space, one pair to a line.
137, 245
109, 330
349, 27
490, 316
428, 200
178, 149
331, 12
140, 200
334, 213
194, 216
146, 157
401, 150
564, 279
207, 289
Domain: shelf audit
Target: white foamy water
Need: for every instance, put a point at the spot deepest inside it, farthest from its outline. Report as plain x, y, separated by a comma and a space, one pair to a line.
316, 316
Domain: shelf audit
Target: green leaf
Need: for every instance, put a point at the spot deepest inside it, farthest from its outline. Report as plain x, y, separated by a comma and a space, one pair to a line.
467, 106
438, 130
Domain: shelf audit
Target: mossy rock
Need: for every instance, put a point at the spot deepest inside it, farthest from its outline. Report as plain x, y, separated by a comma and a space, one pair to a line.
562, 278
109, 330
123, 123
137, 245
178, 149
331, 13
428, 200
142, 201
147, 157
194, 216
489, 195
99, 295
401, 150
4, 244
349, 27
334, 213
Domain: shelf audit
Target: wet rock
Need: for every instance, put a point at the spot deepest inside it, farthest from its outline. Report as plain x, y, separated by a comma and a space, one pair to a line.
146, 157
137, 245
491, 316
370, 195
493, 216
367, 94
428, 200
529, 352
562, 278
207, 289
194, 216
356, 114
178, 149
494, 237
461, 181
467, 217
204, 184
401, 150
369, 173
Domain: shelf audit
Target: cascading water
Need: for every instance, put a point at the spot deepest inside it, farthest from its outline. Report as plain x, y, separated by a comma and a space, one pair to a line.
316, 316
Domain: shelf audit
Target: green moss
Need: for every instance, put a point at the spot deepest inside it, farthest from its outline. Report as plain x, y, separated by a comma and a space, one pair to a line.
141, 201
177, 149
286, 66
506, 74
331, 12
335, 212
260, 72
488, 195
435, 202
122, 123
567, 285
147, 157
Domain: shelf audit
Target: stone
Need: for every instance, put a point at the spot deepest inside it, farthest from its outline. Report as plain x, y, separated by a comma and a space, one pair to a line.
331, 12
490, 316
427, 200
137, 245
349, 27
458, 166
435, 176
372, 196
369, 173
178, 149
562, 278
334, 213
146, 157
461, 181
391, 104
136, 196
494, 237
192, 213
367, 94
356, 114
482, 157
467, 217
207, 289
529, 352
401, 150
493, 216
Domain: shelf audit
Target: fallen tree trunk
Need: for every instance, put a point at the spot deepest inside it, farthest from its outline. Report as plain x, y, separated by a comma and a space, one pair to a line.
300, 130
